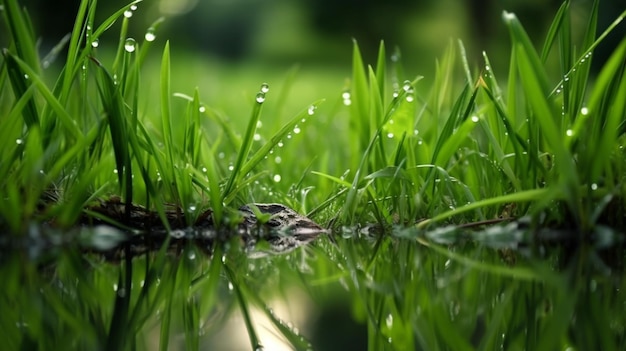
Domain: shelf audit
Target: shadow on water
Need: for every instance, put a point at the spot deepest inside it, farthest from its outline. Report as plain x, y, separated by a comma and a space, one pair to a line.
498, 287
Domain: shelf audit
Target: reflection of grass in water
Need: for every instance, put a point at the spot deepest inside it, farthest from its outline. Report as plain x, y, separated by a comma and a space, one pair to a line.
544, 152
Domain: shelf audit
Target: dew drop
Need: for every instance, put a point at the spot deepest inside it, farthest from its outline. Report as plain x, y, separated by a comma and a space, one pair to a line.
280, 144
128, 13
278, 160
569, 132
202, 109
416, 132
594, 186
129, 45
192, 208
150, 36
410, 98
95, 43
277, 178
256, 137
406, 86
311, 110
133, 7
19, 141
584, 111
191, 255
289, 136
475, 119
390, 135
204, 170
221, 155
260, 97
259, 124
230, 286
389, 320
26, 76
231, 168
265, 88
296, 130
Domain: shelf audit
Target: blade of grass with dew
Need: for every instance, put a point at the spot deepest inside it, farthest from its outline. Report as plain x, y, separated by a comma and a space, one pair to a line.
244, 150
114, 107
521, 196
166, 120
22, 33
545, 116
610, 86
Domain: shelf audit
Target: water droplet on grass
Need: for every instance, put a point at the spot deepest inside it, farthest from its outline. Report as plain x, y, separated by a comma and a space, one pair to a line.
133, 7
130, 45
260, 97
265, 88
277, 178
256, 137
584, 111
150, 36
311, 110
475, 119
128, 13
569, 132
296, 130
19, 141
594, 186
389, 320
95, 43
278, 159
406, 86
259, 124
390, 135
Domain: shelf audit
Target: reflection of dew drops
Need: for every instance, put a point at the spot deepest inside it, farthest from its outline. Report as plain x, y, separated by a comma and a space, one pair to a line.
129, 45
260, 97
265, 88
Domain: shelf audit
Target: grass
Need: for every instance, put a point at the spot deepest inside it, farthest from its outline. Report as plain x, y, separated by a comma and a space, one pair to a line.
405, 174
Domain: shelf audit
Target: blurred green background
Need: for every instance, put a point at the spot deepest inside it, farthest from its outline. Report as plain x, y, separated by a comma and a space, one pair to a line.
318, 32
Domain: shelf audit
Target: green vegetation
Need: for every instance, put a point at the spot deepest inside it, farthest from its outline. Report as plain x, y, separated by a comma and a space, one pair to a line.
408, 176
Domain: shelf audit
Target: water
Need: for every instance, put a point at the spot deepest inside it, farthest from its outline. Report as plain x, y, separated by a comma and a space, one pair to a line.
130, 45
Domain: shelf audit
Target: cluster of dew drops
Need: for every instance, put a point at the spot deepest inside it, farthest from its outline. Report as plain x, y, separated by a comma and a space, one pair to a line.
260, 99
130, 44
